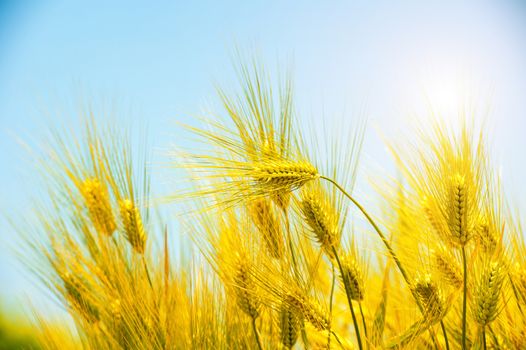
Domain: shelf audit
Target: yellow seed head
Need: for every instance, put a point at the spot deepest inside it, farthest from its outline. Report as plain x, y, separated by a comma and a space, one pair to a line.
430, 296
282, 198
289, 324
281, 174
353, 274
310, 309
266, 221
486, 236
244, 287
115, 308
97, 201
487, 293
435, 219
79, 298
322, 219
132, 225
458, 211
448, 267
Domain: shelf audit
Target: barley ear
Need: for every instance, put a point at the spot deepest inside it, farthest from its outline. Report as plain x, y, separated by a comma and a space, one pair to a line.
487, 297
97, 201
132, 225
289, 324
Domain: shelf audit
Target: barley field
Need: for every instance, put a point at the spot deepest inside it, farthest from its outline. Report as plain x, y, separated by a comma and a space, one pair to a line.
276, 261
255, 226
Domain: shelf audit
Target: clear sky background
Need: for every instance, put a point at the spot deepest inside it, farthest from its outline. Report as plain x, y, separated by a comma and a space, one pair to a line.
158, 64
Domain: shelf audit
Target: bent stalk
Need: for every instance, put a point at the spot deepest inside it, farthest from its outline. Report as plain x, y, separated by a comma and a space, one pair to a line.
384, 240
256, 333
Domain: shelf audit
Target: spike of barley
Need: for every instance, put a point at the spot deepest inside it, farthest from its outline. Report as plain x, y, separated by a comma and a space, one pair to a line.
310, 309
77, 293
487, 293
132, 225
97, 201
267, 223
354, 275
283, 174
485, 236
458, 211
289, 323
448, 267
322, 219
430, 297
245, 290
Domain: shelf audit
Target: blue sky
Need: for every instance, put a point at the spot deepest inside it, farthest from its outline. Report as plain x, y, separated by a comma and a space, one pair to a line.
158, 64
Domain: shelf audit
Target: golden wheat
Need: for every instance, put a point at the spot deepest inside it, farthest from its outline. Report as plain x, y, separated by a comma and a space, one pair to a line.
273, 259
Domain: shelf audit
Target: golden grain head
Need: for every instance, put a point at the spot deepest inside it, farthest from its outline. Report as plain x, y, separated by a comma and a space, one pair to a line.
353, 274
97, 201
430, 296
268, 225
245, 289
132, 225
321, 217
435, 219
80, 298
289, 325
310, 309
448, 267
116, 309
283, 174
458, 210
488, 292
486, 236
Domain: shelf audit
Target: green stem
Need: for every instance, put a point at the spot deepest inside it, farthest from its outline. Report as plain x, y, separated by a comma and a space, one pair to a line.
256, 333
330, 307
464, 301
385, 242
516, 294
147, 272
289, 241
338, 339
484, 337
445, 334
304, 336
364, 324
349, 300
493, 336
376, 228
